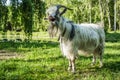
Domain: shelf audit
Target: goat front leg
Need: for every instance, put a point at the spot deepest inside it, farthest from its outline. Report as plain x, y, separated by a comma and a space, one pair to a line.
73, 65
70, 65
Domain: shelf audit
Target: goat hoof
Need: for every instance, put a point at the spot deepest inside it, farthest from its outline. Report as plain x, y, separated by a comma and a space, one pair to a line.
69, 68
92, 64
101, 66
73, 72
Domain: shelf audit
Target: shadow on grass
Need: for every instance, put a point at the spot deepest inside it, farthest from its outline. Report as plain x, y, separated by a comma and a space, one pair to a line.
112, 37
32, 44
110, 63
112, 66
114, 56
51, 59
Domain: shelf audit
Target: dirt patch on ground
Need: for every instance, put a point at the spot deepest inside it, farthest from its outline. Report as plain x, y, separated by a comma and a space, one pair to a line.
8, 55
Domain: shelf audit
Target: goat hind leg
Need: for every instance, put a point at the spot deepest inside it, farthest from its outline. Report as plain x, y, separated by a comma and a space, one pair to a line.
101, 63
101, 56
93, 60
73, 65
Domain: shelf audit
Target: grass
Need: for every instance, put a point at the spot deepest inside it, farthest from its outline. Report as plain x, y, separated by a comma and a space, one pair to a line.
42, 60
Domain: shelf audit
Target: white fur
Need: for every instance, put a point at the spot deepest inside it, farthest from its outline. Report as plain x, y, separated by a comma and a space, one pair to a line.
89, 38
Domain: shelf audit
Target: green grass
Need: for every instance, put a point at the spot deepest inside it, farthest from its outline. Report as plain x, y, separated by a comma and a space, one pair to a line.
42, 60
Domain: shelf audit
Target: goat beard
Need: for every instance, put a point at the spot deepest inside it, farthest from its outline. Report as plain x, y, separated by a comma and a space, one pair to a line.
52, 30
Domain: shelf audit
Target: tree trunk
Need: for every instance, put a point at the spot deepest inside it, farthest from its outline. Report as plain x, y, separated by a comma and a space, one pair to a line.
101, 12
115, 15
90, 10
108, 14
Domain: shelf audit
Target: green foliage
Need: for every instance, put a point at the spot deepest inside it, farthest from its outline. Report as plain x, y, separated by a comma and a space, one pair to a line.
111, 8
3, 14
27, 15
15, 13
21, 15
39, 13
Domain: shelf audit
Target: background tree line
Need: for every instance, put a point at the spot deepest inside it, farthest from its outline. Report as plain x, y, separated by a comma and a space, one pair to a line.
28, 15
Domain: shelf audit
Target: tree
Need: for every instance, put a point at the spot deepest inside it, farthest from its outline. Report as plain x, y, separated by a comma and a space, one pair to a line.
108, 14
115, 15
3, 14
101, 12
27, 17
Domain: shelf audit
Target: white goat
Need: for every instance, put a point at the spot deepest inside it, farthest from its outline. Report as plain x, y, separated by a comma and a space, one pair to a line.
89, 38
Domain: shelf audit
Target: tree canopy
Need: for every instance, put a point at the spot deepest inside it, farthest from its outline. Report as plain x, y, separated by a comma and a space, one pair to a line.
27, 15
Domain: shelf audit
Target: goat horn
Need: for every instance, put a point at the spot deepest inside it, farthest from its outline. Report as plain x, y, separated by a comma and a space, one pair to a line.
59, 6
65, 9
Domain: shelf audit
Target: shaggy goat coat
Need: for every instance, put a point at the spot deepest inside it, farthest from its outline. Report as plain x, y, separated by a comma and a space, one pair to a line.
89, 38
85, 37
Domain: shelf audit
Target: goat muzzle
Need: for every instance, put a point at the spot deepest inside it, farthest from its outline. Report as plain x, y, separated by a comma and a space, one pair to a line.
51, 18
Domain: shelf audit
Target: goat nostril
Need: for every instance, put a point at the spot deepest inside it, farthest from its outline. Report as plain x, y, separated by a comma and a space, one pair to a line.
51, 18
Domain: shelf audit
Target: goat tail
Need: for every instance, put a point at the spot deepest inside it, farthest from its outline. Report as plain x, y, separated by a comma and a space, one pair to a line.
101, 24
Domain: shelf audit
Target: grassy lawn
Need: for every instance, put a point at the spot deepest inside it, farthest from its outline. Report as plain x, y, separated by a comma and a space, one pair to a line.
42, 60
